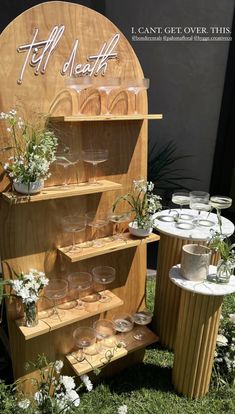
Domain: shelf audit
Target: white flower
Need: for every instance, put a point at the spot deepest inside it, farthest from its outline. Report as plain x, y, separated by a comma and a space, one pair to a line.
24, 404
38, 397
87, 382
73, 397
221, 340
232, 318
6, 165
68, 382
122, 409
58, 366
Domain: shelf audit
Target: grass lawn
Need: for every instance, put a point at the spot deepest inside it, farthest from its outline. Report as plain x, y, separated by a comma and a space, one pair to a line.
146, 388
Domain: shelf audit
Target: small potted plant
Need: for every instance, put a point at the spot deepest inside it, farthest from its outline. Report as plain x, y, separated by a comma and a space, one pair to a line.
33, 148
221, 244
143, 204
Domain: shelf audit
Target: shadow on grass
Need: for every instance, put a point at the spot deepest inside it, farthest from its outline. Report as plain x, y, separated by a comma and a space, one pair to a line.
140, 376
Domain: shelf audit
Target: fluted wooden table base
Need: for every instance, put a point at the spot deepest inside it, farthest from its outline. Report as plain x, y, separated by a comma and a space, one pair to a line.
197, 328
167, 297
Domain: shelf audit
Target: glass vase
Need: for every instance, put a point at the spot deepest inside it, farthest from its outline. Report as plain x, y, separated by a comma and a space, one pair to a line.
30, 314
224, 271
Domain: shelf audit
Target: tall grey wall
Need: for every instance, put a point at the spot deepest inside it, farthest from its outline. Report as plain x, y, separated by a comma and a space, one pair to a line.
186, 77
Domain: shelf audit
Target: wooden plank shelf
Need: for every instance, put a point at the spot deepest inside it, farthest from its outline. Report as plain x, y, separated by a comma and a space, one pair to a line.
116, 352
108, 247
90, 118
69, 316
55, 192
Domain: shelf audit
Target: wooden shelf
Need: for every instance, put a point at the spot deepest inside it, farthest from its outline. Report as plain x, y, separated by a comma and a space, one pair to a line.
98, 360
70, 316
89, 118
108, 247
51, 193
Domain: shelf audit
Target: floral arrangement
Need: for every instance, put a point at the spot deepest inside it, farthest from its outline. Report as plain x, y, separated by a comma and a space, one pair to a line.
28, 285
143, 203
33, 149
221, 244
224, 362
55, 393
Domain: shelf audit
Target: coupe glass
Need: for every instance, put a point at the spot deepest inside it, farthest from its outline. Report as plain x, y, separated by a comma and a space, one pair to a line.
182, 198
107, 85
199, 200
104, 275
119, 219
79, 282
56, 290
141, 318
105, 332
135, 86
95, 157
74, 223
97, 223
66, 160
219, 203
123, 323
78, 84
85, 339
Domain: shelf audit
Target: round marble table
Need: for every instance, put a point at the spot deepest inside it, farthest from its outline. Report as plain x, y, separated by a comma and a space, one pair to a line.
196, 333
167, 297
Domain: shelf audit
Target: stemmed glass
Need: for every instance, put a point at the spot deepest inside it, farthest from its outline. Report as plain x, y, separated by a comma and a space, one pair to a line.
97, 224
105, 332
84, 338
141, 318
199, 200
66, 160
74, 223
79, 84
106, 84
220, 203
118, 219
104, 275
78, 282
95, 157
181, 198
135, 86
56, 290
123, 323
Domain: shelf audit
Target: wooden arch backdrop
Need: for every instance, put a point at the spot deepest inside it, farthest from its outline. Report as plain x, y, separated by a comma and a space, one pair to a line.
31, 232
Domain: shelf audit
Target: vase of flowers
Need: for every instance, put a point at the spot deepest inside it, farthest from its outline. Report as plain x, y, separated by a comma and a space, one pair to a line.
33, 150
221, 244
28, 286
143, 204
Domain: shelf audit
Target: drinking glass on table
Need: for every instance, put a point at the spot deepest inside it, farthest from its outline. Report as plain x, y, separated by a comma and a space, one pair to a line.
66, 160
119, 219
74, 223
181, 198
136, 86
105, 333
97, 223
104, 275
123, 323
199, 201
219, 203
78, 83
141, 318
79, 282
56, 290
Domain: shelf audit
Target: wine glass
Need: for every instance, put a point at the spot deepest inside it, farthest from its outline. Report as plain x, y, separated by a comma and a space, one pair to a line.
141, 318
105, 332
181, 198
135, 86
107, 84
78, 84
219, 203
95, 157
118, 219
84, 338
74, 223
56, 290
199, 200
66, 160
78, 282
104, 275
97, 223
123, 323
